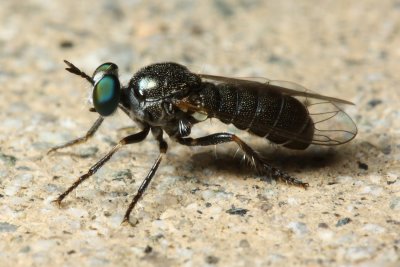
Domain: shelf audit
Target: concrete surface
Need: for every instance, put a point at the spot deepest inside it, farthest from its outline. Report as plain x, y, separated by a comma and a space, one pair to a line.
350, 215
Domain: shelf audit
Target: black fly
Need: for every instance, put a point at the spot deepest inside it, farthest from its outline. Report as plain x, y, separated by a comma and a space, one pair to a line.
167, 97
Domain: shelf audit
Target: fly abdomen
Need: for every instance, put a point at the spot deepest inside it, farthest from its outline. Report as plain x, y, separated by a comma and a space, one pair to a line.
282, 119
228, 103
293, 127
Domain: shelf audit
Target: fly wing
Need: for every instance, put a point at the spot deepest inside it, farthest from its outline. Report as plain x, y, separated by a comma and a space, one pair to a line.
284, 87
332, 126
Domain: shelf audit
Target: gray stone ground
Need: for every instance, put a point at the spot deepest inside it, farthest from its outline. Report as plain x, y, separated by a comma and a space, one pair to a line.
350, 215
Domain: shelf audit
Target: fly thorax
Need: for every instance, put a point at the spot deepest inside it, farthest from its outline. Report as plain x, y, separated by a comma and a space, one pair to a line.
155, 87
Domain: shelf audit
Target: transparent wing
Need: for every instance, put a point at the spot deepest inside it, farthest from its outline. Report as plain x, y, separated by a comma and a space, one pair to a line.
284, 87
332, 126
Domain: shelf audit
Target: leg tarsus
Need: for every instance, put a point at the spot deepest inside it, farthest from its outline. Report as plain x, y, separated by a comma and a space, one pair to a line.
82, 139
126, 222
279, 175
57, 202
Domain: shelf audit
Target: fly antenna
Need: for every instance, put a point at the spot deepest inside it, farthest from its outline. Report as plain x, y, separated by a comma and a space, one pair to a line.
75, 70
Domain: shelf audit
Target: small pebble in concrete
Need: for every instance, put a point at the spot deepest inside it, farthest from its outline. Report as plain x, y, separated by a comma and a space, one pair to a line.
343, 221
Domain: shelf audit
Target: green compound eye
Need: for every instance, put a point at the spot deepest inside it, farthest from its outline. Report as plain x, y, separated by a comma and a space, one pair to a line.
107, 68
106, 95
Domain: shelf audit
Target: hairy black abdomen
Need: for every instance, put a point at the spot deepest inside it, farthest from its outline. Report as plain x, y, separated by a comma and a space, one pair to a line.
282, 119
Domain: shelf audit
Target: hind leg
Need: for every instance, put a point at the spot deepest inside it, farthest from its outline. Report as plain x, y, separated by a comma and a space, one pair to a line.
262, 167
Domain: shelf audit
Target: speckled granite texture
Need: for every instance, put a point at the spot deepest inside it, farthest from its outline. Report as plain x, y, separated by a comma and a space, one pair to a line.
203, 208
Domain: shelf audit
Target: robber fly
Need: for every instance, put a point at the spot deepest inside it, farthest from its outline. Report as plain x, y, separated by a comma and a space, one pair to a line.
167, 97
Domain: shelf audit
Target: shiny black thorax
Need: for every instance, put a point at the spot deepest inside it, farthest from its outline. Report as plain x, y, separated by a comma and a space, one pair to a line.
150, 94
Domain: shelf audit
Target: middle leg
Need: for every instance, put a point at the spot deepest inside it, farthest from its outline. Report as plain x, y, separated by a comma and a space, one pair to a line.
157, 132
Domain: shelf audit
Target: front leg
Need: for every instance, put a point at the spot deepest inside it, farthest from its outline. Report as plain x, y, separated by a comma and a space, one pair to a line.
262, 167
82, 139
134, 138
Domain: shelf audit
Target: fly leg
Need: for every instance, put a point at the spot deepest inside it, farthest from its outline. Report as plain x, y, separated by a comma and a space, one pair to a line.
73, 69
82, 139
135, 138
157, 132
262, 167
